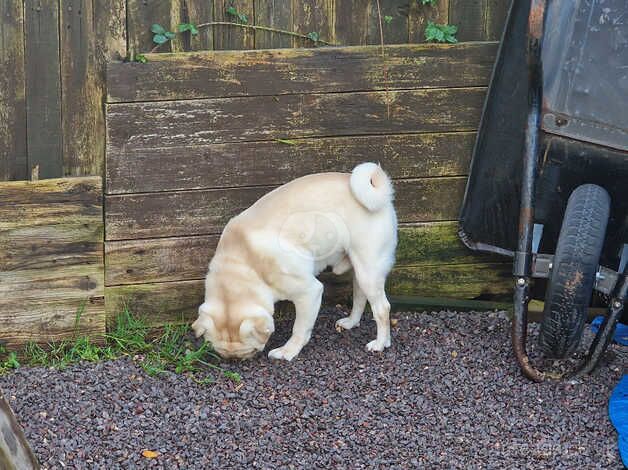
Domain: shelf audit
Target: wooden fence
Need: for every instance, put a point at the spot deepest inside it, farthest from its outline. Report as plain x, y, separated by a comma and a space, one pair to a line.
53, 55
51, 260
193, 139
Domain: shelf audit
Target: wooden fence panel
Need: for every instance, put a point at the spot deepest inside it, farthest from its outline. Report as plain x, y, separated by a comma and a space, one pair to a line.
496, 13
13, 158
187, 258
185, 157
185, 123
313, 16
178, 301
43, 88
173, 214
290, 71
275, 14
394, 32
51, 260
246, 164
90, 34
233, 37
469, 16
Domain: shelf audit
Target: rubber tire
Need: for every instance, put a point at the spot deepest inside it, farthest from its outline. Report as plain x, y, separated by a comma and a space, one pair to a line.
574, 267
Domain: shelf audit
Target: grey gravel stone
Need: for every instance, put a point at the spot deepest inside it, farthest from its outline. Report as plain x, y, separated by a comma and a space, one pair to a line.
448, 394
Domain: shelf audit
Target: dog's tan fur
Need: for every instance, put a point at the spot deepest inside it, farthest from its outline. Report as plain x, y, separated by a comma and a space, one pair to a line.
273, 251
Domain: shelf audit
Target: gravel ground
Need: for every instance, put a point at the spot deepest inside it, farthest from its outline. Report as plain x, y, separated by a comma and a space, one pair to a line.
447, 394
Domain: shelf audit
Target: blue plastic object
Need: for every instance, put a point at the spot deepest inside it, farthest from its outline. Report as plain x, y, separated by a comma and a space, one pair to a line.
618, 414
621, 330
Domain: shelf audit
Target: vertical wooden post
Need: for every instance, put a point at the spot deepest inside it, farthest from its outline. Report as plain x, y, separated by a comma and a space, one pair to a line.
43, 88
13, 163
89, 35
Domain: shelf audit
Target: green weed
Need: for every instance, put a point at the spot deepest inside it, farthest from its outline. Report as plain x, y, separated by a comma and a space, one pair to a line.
441, 33
169, 350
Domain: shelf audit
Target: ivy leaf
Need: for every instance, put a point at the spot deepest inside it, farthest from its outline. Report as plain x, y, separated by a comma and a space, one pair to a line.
232, 11
157, 29
188, 27
141, 58
170, 35
429, 2
243, 18
388, 19
314, 36
160, 39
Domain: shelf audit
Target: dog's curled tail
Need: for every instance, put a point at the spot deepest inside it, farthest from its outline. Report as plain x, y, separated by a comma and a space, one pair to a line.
371, 186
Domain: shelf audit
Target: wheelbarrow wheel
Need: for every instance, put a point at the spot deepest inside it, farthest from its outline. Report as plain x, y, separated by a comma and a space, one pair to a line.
574, 268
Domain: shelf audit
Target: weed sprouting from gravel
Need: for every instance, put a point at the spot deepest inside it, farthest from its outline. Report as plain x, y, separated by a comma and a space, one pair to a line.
170, 349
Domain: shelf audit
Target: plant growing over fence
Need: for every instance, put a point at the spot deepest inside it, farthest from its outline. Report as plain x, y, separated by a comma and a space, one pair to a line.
433, 33
162, 36
441, 33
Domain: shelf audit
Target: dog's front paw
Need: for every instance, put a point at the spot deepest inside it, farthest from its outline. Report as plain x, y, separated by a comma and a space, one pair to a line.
282, 353
377, 345
346, 323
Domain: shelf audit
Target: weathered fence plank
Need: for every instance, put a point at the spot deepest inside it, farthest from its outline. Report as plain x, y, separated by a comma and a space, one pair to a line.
43, 88
275, 14
351, 22
233, 37
51, 259
198, 12
469, 16
89, 35
187, 258
313, 16
13, 158
171, 214
203, 122
496, 13
468, 281
247, 164
396, 31
179, 301
288, 71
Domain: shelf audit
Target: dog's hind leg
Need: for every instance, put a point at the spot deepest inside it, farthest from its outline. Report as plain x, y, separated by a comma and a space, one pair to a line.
307, 306
372, 283
359, 303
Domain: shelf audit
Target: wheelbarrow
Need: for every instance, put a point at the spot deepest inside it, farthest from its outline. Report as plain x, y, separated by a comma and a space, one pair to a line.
548, 184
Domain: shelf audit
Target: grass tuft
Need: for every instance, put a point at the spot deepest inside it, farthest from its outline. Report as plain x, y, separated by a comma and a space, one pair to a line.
171, 350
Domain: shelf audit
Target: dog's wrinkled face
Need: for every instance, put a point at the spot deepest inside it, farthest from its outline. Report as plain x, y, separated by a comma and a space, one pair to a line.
241, 334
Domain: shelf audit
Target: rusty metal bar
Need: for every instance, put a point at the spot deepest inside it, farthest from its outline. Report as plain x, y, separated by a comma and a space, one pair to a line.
523, 256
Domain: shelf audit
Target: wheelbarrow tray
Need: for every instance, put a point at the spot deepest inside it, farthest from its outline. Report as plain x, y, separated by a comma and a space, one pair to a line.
584, 136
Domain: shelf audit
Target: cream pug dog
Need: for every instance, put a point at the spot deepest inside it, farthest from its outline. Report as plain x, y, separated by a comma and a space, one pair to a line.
275, 249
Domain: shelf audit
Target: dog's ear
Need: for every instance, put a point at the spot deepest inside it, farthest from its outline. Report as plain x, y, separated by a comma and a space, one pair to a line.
260, 326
